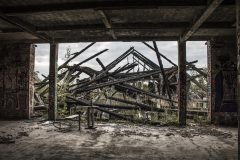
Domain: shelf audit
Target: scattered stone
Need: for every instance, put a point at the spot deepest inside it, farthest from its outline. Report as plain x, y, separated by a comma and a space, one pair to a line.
7, 139
21, 134
169, 134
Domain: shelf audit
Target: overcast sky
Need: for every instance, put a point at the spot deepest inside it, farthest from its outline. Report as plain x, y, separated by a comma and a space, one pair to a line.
195, 51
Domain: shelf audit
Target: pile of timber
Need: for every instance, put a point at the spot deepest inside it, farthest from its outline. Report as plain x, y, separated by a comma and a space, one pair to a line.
141, 82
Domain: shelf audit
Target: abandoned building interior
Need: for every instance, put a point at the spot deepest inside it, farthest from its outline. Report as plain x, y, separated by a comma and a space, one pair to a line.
133, 107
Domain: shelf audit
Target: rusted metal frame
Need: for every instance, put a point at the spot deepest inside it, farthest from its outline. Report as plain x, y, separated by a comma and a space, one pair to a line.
182, 89
238, 68
76, 55
165, 79
107, 23
197, 23
25, 27
53, 72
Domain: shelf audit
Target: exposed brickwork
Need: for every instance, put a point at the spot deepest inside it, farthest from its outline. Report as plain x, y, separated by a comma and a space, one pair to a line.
222, 81
16, 81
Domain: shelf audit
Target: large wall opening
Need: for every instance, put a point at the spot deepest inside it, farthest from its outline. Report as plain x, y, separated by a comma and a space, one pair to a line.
111, 95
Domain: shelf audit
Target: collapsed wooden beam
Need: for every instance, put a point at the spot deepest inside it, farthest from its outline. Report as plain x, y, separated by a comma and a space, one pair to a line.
165, 79
76, 55
112, 82
140, 105
193, 80
108, 67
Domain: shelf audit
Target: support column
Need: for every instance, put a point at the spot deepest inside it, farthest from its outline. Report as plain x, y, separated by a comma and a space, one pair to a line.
238, 68
182, 89
16, 80
52, 110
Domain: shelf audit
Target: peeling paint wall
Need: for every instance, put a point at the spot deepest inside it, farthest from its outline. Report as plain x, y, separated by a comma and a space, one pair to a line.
222, 81
16, 80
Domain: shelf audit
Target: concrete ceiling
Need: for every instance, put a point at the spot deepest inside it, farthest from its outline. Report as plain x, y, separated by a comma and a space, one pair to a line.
108, 20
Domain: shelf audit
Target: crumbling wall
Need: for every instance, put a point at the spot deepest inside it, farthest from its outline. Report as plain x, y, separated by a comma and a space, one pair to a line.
222, 80
16, 80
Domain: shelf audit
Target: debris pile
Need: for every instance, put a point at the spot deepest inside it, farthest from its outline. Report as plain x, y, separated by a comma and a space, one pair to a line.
140, 85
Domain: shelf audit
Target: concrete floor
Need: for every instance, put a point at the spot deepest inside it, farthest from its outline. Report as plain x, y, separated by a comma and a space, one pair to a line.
33, 140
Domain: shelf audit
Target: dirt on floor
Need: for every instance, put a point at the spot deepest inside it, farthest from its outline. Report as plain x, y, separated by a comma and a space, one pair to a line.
37, 140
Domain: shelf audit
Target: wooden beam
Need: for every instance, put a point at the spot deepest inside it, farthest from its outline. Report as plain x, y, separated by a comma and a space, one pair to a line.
196, 24
165, 79
128, 26
107, 23
182, 83
52, 109
24, 27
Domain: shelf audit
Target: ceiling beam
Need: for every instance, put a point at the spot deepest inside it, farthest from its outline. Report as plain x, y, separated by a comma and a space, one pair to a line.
196, 24
24, 27
104, 5
109, 39
107, 23
125, 26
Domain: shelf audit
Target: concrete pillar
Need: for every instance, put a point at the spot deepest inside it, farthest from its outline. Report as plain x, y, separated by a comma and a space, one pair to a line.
16, 80
222, 80
52, 111
238, 67
182, 89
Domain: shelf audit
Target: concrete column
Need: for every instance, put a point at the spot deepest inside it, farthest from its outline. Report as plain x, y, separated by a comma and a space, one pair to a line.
238, 68
16, 80
182, 89
52, 111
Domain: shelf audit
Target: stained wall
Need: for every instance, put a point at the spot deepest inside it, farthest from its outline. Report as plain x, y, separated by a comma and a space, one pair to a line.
16, 80
222, 81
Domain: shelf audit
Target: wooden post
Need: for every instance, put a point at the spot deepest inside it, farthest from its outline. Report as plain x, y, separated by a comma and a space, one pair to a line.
52, 110
182, 89
238, 67
79, 121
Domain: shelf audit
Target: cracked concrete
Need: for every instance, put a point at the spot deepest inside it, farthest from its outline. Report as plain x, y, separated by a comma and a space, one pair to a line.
117, 141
